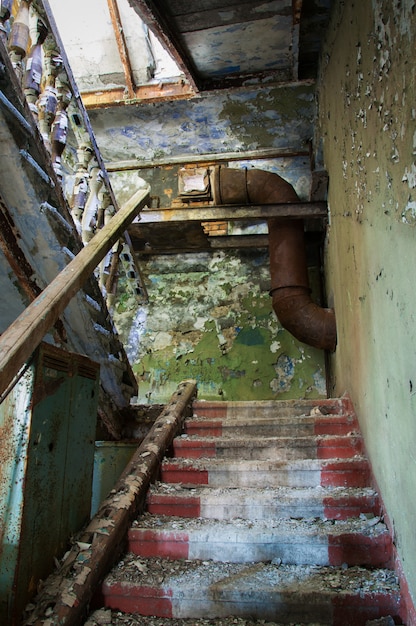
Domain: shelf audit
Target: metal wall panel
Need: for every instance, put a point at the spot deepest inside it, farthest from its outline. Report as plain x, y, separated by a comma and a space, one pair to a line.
48, 425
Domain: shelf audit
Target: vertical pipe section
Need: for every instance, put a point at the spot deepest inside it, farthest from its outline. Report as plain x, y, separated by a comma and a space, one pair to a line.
292, 303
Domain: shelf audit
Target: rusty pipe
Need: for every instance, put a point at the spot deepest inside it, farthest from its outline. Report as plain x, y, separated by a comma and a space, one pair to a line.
292, 303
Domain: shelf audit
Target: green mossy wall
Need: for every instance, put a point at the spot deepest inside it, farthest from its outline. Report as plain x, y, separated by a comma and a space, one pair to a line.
209, 317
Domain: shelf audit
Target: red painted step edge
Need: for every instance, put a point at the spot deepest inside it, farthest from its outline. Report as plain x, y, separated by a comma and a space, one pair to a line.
329, 425
130, 598
356, 610
215, 409
151, 543
359, 549
329, 447
207, 428
353, 473
339, 447
325, 425
194, 449
171, 473
348, 610
351, 506
175, 505
333, 508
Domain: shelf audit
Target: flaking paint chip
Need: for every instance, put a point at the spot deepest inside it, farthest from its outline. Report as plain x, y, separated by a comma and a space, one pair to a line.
100, 526
69, 598
82, 576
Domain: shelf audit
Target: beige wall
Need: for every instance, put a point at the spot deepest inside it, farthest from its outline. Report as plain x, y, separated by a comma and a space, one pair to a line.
367, 112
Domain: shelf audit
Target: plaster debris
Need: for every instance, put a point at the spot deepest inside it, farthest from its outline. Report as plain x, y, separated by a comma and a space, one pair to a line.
116, 618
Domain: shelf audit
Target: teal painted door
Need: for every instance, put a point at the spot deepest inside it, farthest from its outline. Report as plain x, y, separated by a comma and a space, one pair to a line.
52, 501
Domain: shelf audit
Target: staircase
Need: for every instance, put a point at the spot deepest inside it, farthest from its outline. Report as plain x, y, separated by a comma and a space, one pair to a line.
263, 512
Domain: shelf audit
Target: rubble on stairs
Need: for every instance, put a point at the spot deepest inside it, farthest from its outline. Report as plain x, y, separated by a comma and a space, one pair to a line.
245, 526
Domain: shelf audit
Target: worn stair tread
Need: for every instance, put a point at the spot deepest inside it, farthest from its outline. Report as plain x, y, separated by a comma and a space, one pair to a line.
283, 447
261, 503
255, 465
280, 408
103, 616
241, 526
238, 530
357, 541
263, 591
220, 472
236, 494
271, 440
196, 576
298, 424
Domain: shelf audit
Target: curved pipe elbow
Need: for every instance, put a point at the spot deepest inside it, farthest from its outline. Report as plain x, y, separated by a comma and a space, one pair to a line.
305, 320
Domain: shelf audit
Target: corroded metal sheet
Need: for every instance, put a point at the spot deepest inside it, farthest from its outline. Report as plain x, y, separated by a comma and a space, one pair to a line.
14, 432
47, 425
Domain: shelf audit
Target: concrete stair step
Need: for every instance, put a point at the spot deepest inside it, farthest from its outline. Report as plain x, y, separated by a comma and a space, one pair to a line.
267, 503
107, 616
357, 541
217, 472
270, 408
263, 513
336, 596
290, 426
271, 448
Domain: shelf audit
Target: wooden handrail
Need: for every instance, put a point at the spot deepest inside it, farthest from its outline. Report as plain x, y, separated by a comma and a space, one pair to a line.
22, 337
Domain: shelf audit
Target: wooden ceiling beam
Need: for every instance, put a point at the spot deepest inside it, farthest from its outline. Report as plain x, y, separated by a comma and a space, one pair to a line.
156, 17
121, 45
160, 92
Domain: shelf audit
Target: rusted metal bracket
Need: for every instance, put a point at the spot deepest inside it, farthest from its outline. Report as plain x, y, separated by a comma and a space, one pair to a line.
66, 594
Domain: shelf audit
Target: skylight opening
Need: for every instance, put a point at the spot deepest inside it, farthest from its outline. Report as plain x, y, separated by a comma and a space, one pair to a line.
113, 54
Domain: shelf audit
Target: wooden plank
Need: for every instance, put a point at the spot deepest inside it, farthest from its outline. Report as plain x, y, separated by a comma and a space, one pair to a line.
239, 241
299, 210
22, 337
184, 7
240, 14
116, 96
121, 45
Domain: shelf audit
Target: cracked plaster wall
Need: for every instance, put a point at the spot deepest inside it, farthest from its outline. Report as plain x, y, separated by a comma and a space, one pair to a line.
216, 122
210, 318
209, 315
367, 122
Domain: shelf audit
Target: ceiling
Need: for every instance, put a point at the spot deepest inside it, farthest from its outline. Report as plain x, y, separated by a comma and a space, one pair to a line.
127, 51
228, 42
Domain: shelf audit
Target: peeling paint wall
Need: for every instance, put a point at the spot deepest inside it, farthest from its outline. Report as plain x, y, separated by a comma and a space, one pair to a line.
209, 315
367, 123
210, 318
215, 122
